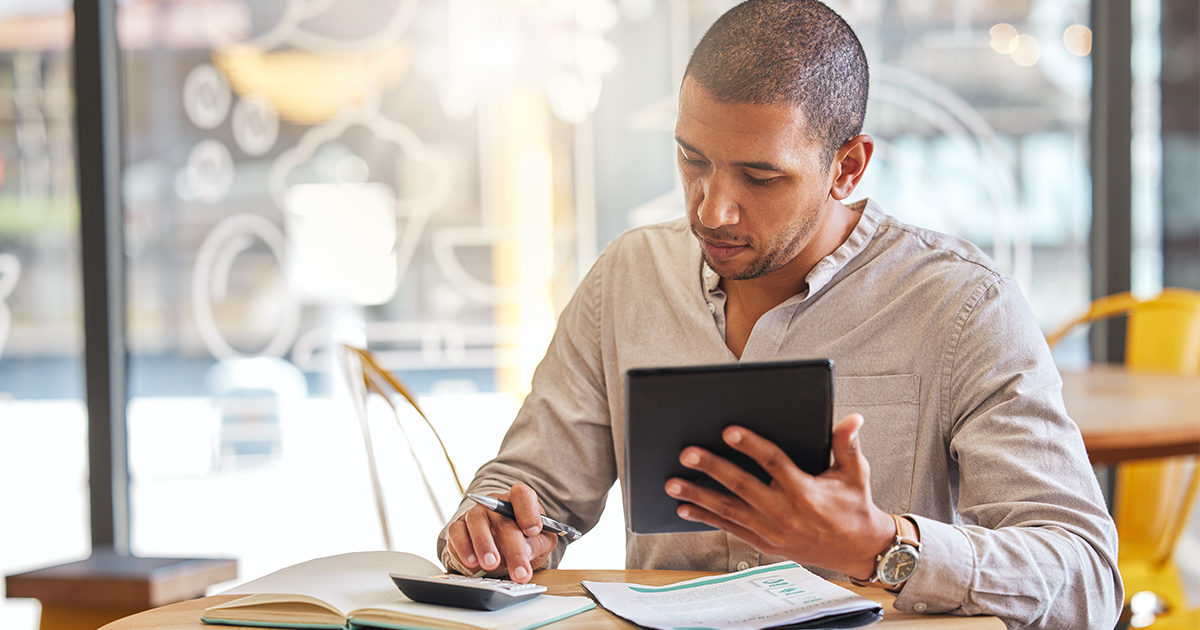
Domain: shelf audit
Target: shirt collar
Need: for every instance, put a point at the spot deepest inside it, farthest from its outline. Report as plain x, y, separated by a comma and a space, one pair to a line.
712, 282
827, 267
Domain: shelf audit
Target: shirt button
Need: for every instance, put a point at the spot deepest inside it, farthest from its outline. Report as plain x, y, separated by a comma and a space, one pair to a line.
712, 308
919, 606
743, 565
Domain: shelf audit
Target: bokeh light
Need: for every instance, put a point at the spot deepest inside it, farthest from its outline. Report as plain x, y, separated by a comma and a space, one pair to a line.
1078, 40
1003, 36
1026, 50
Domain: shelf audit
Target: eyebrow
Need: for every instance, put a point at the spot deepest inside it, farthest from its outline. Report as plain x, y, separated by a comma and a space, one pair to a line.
758, 166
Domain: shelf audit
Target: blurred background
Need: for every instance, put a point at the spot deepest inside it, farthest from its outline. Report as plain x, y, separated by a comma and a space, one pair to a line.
430, 179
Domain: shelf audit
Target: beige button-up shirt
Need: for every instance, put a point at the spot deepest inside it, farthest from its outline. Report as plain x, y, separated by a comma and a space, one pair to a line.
935, 347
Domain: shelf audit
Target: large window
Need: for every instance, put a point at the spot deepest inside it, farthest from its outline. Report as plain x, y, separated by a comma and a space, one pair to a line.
431, 179
391, 174
43, 425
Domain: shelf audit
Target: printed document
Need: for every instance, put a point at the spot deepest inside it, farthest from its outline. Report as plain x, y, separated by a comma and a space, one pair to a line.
773, 596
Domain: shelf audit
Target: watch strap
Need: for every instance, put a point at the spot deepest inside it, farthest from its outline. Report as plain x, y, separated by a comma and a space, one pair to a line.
907, 533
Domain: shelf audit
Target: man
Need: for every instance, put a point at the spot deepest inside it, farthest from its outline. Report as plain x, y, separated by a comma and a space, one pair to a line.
944, 382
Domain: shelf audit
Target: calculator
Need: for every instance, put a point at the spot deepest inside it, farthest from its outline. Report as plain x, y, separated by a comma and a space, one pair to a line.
464, 591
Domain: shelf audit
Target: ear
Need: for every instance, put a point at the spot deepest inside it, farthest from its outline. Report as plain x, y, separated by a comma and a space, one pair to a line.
849, 165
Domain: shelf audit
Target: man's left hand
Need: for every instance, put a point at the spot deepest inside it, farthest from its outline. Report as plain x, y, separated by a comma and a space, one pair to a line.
828, 520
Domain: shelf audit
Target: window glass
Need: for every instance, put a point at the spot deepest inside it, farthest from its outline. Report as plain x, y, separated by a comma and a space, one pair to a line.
43, 422
982, 110
397, 175
1147, 152
1179, 94
430, 180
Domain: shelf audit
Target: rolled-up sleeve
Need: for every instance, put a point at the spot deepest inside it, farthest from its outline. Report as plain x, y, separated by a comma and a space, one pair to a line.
1034, 543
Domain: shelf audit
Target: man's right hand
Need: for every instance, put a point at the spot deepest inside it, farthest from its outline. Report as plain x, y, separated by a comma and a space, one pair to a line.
482, 539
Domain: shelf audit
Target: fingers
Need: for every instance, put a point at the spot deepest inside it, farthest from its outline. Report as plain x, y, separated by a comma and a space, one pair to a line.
747, 506
764, 452
526, 508
722, 506
484, 534
724, 512
825, 519
695, 513
482, 539
516, 550
460, 545
518, 540
543, 545
847, 454
528, 511
741, 483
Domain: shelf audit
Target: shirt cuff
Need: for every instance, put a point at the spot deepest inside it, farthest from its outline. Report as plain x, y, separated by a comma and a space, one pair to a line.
943, 575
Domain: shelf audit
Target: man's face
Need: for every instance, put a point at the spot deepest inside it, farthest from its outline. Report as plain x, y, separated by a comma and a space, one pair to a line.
755, 186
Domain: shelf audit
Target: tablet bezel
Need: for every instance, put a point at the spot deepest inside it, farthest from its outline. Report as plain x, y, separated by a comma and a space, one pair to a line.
669, 408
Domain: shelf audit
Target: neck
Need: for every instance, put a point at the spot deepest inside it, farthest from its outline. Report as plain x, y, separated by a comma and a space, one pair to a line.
774, 288
748, 300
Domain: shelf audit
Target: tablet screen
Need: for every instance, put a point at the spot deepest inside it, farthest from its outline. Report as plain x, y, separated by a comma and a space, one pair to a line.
667, 409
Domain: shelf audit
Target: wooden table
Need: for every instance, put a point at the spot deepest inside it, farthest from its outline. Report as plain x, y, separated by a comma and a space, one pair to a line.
1133, 415
186, 615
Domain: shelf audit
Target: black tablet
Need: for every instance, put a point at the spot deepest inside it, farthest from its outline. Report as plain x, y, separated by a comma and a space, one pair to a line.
668, 409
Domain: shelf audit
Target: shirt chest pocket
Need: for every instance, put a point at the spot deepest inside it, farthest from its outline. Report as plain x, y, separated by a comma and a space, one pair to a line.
891, 407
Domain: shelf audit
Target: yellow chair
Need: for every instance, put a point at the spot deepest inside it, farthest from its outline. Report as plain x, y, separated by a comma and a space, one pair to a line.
1153, 497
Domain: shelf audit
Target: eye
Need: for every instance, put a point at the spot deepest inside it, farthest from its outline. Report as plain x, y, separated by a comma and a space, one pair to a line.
687, 159
754, 181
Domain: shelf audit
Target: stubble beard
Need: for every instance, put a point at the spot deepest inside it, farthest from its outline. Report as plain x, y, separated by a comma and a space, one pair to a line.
785, 250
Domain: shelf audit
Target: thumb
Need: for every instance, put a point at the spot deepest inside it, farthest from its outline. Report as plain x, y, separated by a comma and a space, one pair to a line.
540, 547
846, 452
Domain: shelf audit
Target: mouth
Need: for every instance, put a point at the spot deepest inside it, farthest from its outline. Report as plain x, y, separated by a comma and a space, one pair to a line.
721, 250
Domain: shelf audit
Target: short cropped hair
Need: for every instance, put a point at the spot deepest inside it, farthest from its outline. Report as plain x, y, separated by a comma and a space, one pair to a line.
796, 52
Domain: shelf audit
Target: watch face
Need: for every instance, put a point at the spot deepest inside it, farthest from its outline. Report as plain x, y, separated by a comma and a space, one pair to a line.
898, 565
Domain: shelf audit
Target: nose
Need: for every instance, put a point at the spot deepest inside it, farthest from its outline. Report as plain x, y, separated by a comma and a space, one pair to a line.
717, 207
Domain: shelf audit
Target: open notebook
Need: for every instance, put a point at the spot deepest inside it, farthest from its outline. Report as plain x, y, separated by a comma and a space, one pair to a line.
354, 591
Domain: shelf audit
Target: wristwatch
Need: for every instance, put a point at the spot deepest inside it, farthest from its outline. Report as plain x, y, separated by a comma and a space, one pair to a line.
896, 564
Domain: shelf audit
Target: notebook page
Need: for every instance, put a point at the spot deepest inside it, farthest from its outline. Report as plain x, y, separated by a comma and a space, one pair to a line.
346, 582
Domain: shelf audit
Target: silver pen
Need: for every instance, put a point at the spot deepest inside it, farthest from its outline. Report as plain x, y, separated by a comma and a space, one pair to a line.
504, 508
